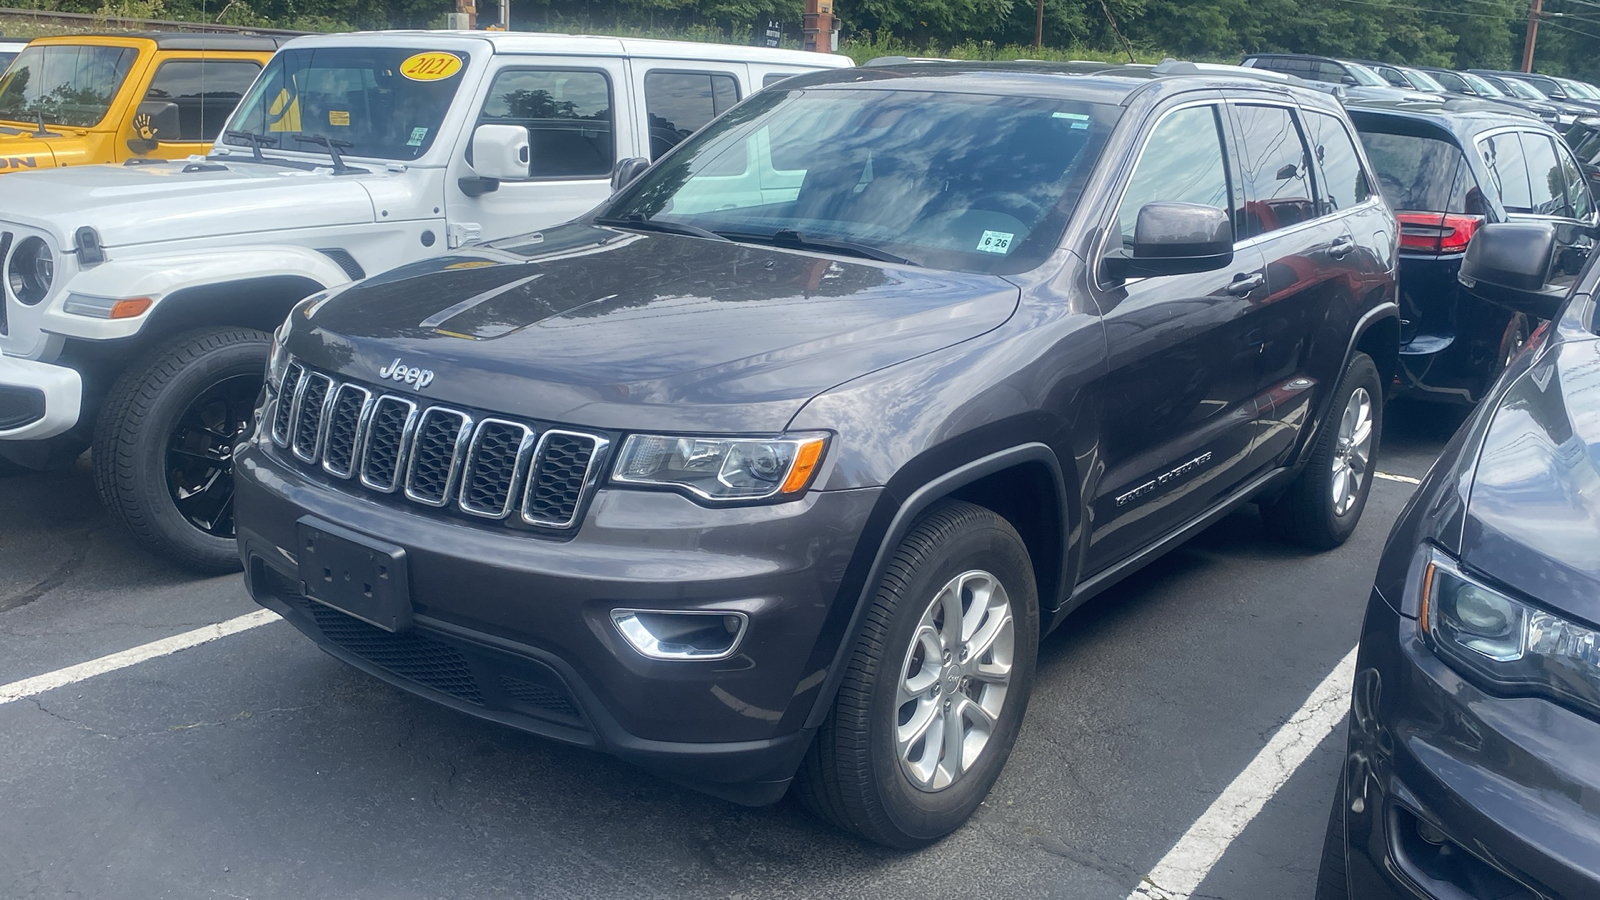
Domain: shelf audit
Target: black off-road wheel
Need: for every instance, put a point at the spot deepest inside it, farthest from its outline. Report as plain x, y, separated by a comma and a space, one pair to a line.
1333, 880
936, 684
163, 446
1321, 507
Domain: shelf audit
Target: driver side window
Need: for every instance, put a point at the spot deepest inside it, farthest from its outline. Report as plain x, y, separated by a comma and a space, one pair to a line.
1182, 161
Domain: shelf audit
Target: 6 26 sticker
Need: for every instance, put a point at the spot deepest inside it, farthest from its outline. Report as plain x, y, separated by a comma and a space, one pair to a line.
995, 242
431, 66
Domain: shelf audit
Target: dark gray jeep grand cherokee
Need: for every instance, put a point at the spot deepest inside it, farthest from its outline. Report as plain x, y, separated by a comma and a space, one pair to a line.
778, 465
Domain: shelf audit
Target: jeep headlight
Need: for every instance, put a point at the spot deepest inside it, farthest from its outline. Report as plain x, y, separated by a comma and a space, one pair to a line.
722, 468
31, 271
1515, 647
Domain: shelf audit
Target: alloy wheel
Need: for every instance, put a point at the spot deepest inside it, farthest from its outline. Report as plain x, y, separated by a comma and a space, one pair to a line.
954, 680
199, 458
1353, 452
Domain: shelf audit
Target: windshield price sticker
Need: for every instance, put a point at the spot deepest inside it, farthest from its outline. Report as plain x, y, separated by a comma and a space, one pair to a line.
995, 242
431, 66
418, 135
339, 117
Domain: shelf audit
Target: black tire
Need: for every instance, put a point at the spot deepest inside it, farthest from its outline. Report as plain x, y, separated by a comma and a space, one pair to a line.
1306, 512
142, 441
853, 775
1333, 879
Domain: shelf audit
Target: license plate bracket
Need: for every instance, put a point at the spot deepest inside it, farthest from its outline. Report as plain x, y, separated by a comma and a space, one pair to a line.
354, 574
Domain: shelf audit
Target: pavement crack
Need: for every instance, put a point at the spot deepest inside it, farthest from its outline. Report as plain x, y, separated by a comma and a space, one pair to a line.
78, 551
67, 719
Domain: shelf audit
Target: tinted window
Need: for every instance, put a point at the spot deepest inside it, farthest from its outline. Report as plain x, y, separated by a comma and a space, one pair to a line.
63, 83
1393, 76
1182, 162
772, 78
1547, 187
362, 95
568, 115
1330, 72
1508, 171
1578, 197
1343, 183
1423, 174
204, 92
679, 103
1277, 181
1451, 82
979, 183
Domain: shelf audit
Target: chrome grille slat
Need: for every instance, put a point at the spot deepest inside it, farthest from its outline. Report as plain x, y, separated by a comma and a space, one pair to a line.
388, 438
310, 412
285, 408
434, 466
437, 456
497, 460
563, 470
348, 413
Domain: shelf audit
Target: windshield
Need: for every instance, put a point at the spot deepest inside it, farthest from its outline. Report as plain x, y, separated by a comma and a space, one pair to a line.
386, 102
1482, 87
1366, 76
64, 83
1576, 89
1523, 89
977, 183
1425, 82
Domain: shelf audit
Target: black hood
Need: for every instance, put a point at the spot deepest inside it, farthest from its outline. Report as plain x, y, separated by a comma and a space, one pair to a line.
1533, 518
613, 329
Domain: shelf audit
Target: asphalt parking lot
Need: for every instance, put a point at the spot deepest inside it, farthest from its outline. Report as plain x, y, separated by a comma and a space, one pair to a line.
254, 766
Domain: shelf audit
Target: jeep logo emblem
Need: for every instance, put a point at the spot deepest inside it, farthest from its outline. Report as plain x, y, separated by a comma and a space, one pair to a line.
417, 378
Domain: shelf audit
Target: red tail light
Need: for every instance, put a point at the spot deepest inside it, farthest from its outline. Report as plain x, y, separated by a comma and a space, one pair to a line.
1437, 232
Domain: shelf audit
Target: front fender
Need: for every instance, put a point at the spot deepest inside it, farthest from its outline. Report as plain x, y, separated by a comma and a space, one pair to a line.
160, 277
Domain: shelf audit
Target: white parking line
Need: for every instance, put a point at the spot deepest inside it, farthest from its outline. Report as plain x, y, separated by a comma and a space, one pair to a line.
1404, 479
38, 684
1180, 872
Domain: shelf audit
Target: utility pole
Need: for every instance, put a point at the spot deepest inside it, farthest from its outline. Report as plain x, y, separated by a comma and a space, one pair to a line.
1533, 35
1038, 24
816, 27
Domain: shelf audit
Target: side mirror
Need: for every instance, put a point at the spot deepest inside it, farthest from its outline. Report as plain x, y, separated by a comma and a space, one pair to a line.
1349, 80
1509, 263
1176, 239
501, 152
154, 122
626, 171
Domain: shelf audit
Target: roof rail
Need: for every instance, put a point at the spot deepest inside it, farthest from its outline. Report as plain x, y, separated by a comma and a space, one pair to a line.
887, 61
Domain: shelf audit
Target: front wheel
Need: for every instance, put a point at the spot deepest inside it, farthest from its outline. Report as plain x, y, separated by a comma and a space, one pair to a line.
1321, 507
163, 451
936, 686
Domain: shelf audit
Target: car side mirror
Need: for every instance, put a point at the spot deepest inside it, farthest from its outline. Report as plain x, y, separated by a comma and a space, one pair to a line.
1176, 239
501, 152
1349, 80
1509, 263
154, 122
627, 171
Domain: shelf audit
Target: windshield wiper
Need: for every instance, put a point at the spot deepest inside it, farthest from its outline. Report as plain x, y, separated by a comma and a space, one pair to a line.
640, 223
256, 141
788, 237
333, 145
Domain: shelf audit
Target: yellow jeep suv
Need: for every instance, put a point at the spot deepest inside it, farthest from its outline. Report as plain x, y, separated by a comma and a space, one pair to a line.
106, 98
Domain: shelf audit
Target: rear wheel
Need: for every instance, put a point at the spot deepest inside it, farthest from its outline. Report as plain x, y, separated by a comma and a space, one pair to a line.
936, 686
163, 453
1321, 507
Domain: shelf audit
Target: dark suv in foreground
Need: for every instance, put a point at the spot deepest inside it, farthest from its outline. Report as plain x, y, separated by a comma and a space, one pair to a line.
783, 460
1472, 771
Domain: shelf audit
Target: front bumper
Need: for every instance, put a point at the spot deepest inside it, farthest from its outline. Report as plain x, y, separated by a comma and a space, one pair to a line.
516, 628
1512, 785
37, 400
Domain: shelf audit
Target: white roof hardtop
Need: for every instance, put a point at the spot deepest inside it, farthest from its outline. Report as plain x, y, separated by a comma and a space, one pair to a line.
533, 42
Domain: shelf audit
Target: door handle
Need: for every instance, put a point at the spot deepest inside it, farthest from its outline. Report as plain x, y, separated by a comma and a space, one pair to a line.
1243, 284
1341, 248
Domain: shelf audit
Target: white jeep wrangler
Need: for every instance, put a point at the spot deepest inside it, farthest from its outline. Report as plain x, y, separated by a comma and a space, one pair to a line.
138, 298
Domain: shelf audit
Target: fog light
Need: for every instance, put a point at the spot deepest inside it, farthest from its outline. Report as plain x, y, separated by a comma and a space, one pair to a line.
698, 634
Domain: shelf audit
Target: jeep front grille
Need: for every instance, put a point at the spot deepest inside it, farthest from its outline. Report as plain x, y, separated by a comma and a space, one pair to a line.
437, 456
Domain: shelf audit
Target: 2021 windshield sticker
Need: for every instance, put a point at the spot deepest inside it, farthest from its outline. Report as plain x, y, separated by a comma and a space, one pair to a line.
433, 65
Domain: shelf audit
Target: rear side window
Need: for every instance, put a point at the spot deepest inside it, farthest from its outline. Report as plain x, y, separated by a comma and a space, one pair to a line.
679, 103
1423, 174
1182, 162
1451, 82
204, 93
1343, 183
1546, 186
1277, 177
568, 114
